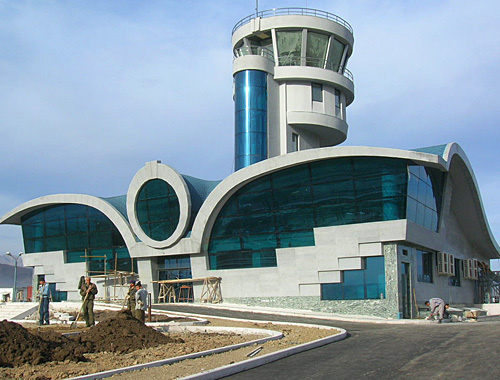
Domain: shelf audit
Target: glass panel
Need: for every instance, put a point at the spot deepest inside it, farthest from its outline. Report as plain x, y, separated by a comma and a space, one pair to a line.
258, 242
375, 277
331, 170
55, 227
354, 285
368, 188
331, 292
293, 197
75, 256
250, 203
77, 241
424, 266
53, 213
316, 49
296, 239
335, 55
296, 176
33, 230
338, 109
75, 211
223, 245
76, 225
55, 244
295, 219
289, 47
158, 211
411, 211
317, 92
227, 227
250, 117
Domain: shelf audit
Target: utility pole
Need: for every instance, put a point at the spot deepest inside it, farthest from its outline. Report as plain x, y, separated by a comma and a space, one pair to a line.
14, 292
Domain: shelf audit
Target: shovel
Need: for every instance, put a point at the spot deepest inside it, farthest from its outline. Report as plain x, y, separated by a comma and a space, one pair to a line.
73, 324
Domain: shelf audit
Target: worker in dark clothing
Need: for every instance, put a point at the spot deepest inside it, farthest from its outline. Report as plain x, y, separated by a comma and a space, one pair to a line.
131, 297
88, 291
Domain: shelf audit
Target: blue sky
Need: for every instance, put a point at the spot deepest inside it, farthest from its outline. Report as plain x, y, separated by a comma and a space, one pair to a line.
91, 90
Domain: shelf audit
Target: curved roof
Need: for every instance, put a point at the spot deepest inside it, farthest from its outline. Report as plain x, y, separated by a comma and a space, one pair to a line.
466, 202
447, 158
208, 197
107, 208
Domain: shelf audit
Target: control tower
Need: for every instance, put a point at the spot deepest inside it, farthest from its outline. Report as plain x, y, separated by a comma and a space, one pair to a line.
291, 85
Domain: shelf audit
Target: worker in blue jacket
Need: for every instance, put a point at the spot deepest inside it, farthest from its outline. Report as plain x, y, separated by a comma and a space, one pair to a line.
44, 299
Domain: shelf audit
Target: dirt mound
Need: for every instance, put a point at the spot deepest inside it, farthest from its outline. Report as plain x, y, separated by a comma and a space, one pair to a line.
120, 332
18, 346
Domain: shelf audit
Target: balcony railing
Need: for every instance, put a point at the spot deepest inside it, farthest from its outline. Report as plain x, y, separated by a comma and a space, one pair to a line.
295, 11
254, 50
314, 62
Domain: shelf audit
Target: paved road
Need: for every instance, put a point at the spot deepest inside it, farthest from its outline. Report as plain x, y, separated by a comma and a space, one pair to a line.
383, 351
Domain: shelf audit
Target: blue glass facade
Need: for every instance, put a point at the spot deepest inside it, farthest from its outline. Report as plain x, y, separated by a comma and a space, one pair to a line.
367, 283
250, 117
281, 209
158, 209
423, 204
84, 233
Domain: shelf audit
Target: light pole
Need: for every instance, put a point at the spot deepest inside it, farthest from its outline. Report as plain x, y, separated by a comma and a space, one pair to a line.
14, 293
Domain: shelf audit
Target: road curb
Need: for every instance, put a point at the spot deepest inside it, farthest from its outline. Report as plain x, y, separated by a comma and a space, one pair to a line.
231, 368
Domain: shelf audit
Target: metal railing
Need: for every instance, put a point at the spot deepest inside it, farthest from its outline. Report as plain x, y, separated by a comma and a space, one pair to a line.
254, 50
315, 62
294, 11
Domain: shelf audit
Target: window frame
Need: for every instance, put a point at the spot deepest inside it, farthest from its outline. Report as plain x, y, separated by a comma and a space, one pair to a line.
317, 92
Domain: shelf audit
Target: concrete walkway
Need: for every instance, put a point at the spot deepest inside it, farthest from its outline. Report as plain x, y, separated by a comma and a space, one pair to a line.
17, 310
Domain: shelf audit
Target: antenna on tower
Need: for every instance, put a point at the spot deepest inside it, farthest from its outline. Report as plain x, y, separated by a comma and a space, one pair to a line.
256, 8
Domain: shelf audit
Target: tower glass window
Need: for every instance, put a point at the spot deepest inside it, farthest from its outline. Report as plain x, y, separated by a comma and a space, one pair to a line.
317, 44
335, 55
289, 44
158, 209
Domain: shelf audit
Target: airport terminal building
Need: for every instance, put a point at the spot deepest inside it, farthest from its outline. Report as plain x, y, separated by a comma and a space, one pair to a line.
301, 223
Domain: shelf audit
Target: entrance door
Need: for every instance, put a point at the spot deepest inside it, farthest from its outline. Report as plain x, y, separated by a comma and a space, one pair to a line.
405, 289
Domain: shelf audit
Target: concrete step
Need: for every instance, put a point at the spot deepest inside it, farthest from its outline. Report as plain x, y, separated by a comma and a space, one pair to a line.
17, 310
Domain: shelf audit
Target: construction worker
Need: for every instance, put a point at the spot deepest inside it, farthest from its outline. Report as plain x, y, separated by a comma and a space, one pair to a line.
44, 295
141, 302
131, 297
437, 307
88, 291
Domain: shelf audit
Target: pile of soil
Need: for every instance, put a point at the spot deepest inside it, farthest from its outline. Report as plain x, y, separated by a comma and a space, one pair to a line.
104, 314
120, 332
18, 346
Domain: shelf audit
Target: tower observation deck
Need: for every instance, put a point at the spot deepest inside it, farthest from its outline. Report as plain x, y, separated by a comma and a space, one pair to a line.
291, 83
